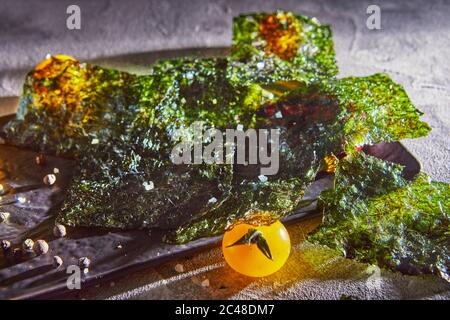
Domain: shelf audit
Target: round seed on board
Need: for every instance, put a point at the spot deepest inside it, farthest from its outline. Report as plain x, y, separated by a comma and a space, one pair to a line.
84, 262
40, 247
49, 179
59, 230
205, 283
27, 245
4, 216
179, 268
5, 245
57, 261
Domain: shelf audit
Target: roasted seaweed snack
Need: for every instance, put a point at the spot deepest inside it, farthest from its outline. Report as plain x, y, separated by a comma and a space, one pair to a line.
281, 46
374, 215
281, 74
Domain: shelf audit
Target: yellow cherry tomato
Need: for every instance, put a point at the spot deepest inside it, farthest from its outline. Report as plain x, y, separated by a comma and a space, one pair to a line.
256, 247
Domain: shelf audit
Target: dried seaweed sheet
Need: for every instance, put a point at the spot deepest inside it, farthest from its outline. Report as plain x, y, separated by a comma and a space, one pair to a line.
281, 46
374, 215
120, 127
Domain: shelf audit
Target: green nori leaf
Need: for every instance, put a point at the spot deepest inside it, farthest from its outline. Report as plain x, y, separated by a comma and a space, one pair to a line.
370, 109
315, 121
120, 128
270, 47
377, 109
205, 93
376, 216
135, 138
308, 132
122, 201
278, 196
66, 105
112, 182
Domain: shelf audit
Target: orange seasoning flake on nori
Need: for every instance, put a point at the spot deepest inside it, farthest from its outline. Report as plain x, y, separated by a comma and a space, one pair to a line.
59, 80
282, 33
330, 163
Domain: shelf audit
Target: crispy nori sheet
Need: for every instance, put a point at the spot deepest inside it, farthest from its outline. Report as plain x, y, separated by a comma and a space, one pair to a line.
120, 127
66, 105
114, 176
377, 109
315, 121
372, 109
281, 46
374, 215
127, 145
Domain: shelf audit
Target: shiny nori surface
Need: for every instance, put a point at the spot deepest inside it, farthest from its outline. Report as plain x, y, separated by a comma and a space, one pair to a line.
120, 127
131, 143
314, 123
374, 215
377, 109
369, 109
281, 46
66, 104
112, 184
133, 139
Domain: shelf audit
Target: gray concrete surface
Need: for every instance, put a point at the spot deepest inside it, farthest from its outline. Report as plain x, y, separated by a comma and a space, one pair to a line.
413, 46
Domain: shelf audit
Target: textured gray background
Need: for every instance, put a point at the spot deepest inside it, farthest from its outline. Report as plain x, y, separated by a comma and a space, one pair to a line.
413, 47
